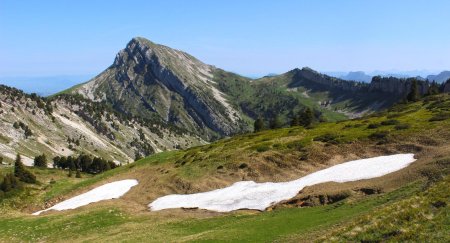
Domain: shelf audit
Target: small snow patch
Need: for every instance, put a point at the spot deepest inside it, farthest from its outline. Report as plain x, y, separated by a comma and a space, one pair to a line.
108, 191
259, 196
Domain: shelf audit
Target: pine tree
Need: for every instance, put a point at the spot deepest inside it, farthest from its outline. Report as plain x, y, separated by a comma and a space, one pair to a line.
275, 122
40, 161
22, 173
71, 163
259, 124
78, 175
413, 94
295, 121
433, 89
9, 182
306, 117
6, 184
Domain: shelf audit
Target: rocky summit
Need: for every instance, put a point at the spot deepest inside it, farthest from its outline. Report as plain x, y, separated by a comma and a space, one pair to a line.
148, 79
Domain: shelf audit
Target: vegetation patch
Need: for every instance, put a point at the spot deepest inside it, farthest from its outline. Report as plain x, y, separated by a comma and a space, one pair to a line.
440, 117
402, 126
329, 138
389, 122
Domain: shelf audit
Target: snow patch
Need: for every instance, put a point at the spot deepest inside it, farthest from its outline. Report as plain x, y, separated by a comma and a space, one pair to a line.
259, 196
108, 191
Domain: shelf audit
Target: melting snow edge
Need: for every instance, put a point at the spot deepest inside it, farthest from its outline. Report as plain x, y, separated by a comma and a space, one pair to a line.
105, 192
259, 196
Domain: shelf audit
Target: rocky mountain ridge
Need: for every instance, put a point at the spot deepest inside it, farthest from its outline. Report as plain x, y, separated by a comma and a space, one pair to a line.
69, 125
154, 80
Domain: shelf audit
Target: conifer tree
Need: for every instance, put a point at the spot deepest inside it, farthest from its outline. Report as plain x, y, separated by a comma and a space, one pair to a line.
6, 184
306, 117
295, 121
413, 94
40, 161
276, 122
433, 89
22, 173
259, 124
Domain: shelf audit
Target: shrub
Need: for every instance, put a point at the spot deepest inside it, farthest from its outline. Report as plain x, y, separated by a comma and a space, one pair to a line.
262, 148
402, 126
440, 117
379, 135
390, 122
40, 161
22, 173
373, 125
328, 138
243, 166
297, 145
9, 183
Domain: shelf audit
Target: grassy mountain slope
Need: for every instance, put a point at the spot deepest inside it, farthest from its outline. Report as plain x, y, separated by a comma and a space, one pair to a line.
275, 155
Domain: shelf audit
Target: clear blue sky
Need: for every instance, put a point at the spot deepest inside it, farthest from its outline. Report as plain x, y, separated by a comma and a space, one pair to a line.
249, 37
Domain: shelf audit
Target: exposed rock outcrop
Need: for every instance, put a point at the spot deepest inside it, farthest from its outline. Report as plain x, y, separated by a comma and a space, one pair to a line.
148, 79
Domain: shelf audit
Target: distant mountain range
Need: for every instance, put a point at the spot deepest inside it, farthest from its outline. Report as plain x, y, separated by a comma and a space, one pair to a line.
44, 85
361, 76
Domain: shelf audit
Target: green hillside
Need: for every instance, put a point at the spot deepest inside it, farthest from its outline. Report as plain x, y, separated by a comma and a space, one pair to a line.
406, 205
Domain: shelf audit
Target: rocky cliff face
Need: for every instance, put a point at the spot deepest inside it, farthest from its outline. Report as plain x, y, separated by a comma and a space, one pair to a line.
147, 79
69, 125
396, 86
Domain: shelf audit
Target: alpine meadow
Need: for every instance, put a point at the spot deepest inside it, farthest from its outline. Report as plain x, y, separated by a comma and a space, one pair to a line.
291, 121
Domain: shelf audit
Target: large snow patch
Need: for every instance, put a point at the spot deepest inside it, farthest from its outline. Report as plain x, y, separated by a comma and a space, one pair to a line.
108, 191
259, 196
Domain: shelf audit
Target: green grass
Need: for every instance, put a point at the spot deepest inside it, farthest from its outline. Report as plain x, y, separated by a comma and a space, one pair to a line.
424, 217
100, 223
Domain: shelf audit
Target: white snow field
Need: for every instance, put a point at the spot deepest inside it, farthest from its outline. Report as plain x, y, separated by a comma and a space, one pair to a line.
259, 196
105, 192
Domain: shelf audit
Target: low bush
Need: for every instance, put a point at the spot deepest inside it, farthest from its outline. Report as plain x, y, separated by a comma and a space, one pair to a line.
440, 117
390, 122
262, 148
328, 138
379, 135
243, 166
403, 126
297, 145
373, 125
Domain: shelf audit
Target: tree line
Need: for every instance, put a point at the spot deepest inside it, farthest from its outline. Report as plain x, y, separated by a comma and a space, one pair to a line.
84, 163
305, 118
